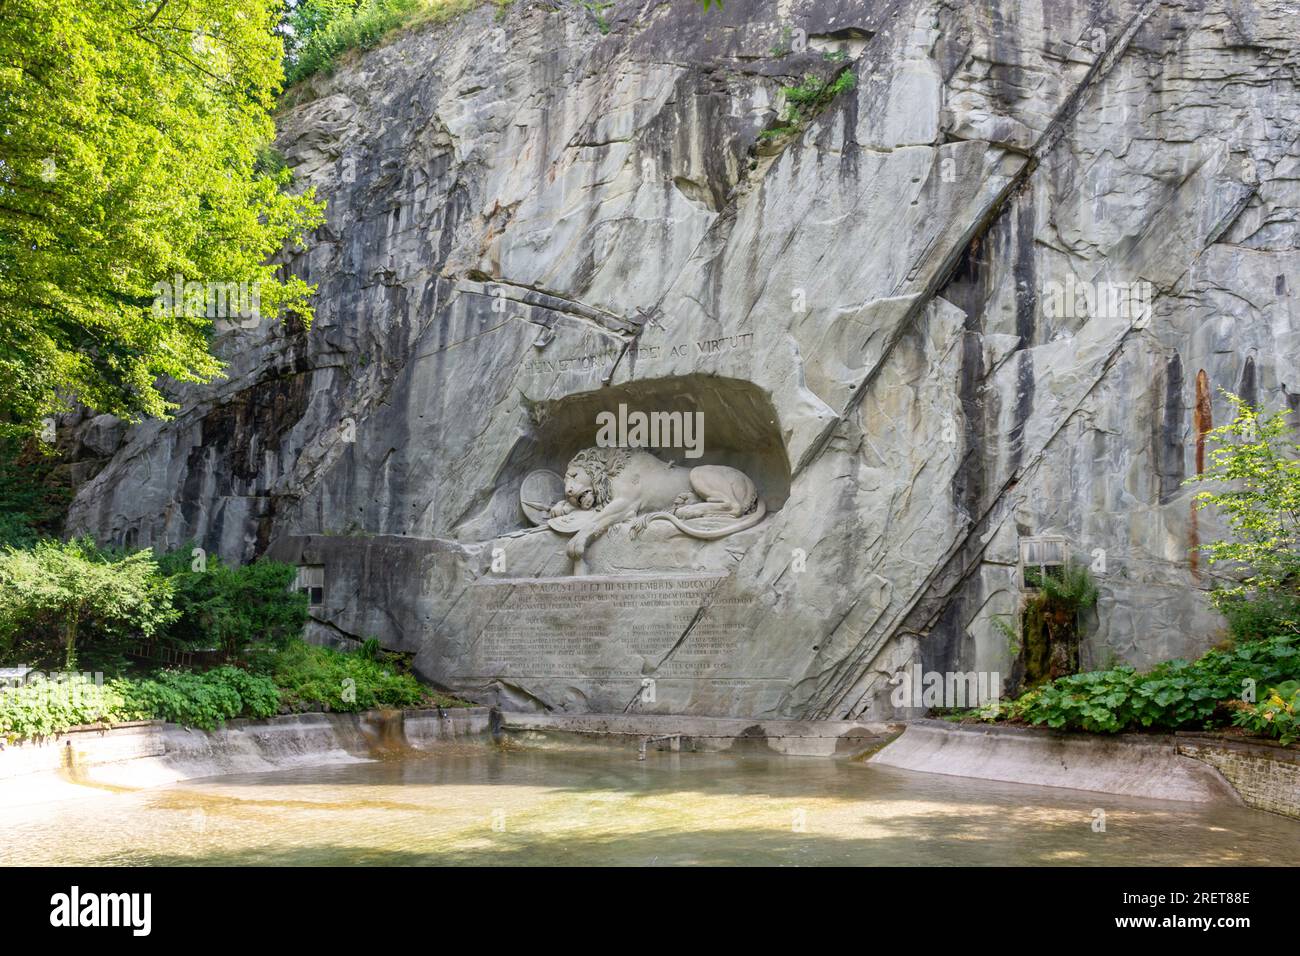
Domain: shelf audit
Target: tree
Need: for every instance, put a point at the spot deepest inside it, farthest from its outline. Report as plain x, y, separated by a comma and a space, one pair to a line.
233, 607
304, 19
133, 138
33, 493
58, 592
1260, 465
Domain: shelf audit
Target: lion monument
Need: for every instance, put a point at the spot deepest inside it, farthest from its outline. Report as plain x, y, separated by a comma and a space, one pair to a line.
623, 484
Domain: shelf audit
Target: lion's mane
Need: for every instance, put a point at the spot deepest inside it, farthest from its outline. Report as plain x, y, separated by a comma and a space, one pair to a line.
601, 464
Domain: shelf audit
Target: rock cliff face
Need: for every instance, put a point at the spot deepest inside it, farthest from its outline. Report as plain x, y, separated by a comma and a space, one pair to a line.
883, 316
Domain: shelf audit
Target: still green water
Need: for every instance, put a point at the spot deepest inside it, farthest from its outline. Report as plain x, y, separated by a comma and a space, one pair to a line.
471, 804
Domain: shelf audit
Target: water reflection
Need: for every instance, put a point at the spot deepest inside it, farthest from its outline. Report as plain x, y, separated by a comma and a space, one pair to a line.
467, 804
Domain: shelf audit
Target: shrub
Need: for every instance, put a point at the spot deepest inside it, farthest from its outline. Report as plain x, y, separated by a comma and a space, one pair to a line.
42, 708
805, 100
33, 496
1278, 715
322, 30
310, 675
329, 27
203, 700
1259, 615
57, 594
1175, 694
1258, 468
232, 608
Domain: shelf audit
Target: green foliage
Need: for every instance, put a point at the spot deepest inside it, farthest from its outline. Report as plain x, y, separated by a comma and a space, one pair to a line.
1008, 630
1278, 715
1175, 694
33, 497
320, 31
815, 93
323, 29
597, 9
309, 675
203, 700
1072, 590
1257, 466
1050, 621
42, 708
57, 593
232, 608
301, 676
54, 590
129, 132
1258, 470
64, 601
1256, 615
805, 100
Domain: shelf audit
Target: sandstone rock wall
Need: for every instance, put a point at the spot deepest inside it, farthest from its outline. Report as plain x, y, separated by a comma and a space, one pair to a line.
530, 219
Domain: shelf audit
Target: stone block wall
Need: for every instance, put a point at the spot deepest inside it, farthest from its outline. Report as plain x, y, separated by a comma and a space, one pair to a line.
1267, 776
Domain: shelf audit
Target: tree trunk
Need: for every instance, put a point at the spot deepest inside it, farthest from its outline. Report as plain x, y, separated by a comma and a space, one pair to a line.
70, 636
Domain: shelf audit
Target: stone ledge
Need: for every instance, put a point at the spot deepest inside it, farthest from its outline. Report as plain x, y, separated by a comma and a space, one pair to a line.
1136, 765
85, 746
821, 738
149, 753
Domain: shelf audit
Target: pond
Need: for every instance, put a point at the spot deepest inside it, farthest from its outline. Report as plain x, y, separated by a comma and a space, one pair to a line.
472, 804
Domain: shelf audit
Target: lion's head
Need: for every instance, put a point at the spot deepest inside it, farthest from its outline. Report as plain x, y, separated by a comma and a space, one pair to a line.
586, 480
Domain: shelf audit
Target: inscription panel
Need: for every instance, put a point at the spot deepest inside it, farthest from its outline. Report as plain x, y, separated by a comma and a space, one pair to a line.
605, 627
600, 359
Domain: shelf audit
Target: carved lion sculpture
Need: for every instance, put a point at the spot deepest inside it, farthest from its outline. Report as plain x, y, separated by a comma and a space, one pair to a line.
633, 485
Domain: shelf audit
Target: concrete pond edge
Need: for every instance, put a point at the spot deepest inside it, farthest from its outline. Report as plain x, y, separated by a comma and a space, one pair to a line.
1185, 767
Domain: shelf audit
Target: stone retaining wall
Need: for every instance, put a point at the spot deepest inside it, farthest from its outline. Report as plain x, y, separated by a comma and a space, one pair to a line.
152, 753
1136, 765
82, 747
1265, 775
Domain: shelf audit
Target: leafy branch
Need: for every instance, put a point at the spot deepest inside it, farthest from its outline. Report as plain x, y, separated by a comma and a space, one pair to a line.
1257, 468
